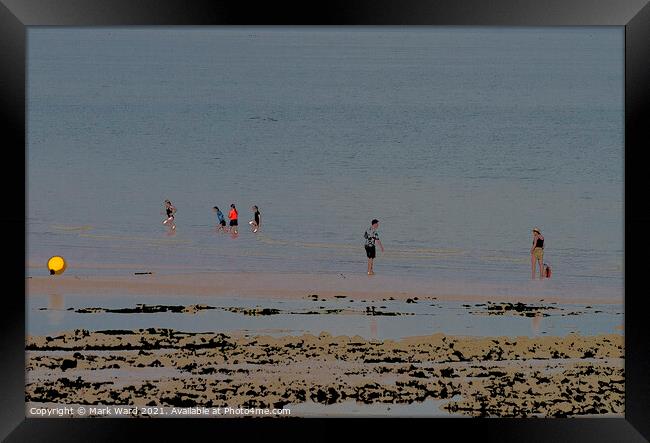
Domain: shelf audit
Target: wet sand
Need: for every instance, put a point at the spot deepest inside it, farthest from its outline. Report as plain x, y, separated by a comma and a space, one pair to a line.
490, 376
554, 376
296, 286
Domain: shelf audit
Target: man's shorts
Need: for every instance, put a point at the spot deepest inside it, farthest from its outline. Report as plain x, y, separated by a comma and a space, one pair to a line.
233, 222
370, 251
222, 223
538, 253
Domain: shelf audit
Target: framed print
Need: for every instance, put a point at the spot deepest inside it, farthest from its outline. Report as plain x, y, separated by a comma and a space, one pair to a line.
248, 215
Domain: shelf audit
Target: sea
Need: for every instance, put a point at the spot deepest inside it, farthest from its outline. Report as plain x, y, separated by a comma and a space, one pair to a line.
459, 140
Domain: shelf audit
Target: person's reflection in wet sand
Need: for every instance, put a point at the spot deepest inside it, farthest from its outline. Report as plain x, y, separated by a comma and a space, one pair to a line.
373, 328
55, 308
536, 323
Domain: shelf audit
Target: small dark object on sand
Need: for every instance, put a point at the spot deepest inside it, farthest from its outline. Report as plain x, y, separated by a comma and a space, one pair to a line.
68, 364
142, 273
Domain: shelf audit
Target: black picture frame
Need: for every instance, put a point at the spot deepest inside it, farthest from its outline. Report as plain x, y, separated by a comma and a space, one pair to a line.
634, 15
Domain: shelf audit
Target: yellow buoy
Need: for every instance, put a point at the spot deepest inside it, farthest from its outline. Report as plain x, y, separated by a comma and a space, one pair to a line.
56, 265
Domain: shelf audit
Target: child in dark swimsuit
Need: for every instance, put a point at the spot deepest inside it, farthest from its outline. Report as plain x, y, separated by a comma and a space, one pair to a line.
170, 210
255, 223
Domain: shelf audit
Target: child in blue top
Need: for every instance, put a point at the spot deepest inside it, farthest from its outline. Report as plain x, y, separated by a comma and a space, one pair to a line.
222, 219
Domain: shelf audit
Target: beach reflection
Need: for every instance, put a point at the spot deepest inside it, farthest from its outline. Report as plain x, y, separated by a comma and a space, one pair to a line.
48, 315
536, 323
373, 328
56, 308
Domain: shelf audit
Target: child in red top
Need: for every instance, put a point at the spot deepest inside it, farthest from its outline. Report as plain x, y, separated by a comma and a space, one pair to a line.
233, 218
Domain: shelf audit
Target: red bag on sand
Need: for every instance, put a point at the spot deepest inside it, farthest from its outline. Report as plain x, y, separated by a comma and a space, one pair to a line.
547, 271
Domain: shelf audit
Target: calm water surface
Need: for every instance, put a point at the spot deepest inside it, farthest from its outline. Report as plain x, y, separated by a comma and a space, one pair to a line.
422, 318
459, 140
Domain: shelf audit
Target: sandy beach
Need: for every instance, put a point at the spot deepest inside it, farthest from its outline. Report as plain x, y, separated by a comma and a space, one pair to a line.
174, 371
295, 285
215, 353
491, 376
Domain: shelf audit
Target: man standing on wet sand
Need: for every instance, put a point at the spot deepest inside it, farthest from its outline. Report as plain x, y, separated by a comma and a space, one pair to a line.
371, 237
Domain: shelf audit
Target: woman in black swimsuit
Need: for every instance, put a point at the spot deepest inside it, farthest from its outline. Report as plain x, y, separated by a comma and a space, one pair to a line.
537, 252
170, 211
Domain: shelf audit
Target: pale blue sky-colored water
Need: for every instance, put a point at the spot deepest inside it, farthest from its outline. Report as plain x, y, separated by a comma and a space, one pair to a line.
51, 314
459, 140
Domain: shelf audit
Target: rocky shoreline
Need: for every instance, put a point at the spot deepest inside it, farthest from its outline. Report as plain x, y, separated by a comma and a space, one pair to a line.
492, 376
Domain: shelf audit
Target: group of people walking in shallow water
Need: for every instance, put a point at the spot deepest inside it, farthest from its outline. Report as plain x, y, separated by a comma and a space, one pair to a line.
371, 236
233, 216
